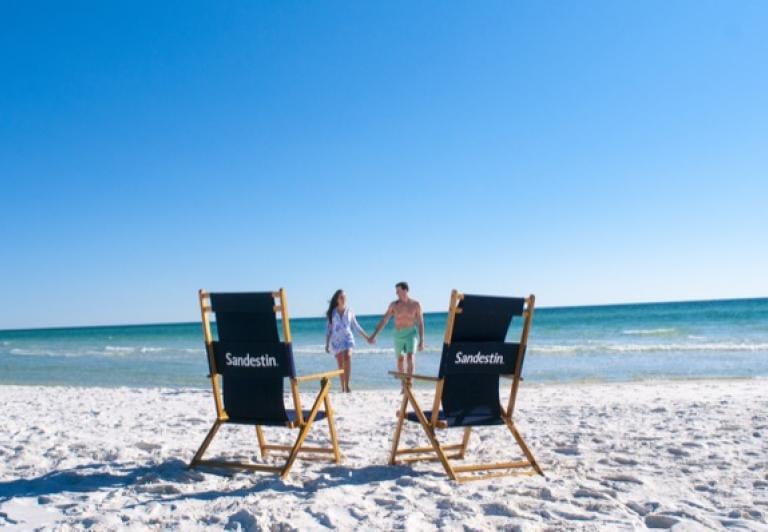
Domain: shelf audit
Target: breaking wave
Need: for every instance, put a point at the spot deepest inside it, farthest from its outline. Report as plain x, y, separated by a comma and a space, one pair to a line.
651, 348
648, 332
368, 350
109, 351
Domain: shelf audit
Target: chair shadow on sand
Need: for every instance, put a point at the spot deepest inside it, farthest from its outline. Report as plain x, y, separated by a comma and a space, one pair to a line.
327, 478
89, 477
161, 480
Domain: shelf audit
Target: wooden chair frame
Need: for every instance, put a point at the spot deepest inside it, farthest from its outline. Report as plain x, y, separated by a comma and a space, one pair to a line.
446, 453
304, 425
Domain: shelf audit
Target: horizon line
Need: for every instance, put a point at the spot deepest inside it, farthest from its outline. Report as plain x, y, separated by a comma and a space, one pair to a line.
559, 307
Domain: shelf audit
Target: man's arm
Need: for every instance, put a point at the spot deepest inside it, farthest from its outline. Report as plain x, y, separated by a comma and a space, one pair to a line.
383, 321
420, 322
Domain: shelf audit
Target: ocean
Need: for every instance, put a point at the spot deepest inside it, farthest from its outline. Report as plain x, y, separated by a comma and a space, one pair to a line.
688, 340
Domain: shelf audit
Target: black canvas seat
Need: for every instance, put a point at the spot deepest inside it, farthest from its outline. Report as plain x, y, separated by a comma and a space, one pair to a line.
290, 416
469, 418
475, 355
249, 365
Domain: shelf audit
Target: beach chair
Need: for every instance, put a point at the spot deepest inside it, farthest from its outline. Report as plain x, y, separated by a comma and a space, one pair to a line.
474, 356
248, 366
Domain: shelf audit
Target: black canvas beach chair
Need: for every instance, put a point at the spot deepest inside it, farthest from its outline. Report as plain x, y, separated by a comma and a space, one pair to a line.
474, 356
248, 366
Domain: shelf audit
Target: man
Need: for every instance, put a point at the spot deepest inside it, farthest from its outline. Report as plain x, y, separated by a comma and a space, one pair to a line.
409, 322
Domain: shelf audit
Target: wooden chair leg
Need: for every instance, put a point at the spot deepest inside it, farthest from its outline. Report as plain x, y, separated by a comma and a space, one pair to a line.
305, 430
262, 441
206, 442
465, 441
431, 435
332, 429
523, 447
398, 429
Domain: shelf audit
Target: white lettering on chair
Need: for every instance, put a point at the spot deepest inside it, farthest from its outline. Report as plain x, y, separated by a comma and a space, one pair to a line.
479, 358
248, 361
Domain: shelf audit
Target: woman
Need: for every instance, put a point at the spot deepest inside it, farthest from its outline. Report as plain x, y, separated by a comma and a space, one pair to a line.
339, 337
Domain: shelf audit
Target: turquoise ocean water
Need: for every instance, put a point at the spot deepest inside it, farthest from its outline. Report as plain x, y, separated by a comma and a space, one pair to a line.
713, 339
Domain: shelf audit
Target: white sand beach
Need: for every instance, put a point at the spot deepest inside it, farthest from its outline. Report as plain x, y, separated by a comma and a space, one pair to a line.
688, 455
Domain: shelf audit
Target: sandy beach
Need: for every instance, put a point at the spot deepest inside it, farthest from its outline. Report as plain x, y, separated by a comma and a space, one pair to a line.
689, 455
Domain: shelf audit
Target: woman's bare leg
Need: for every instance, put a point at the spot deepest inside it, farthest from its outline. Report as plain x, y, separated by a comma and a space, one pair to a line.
348, 368
340, 364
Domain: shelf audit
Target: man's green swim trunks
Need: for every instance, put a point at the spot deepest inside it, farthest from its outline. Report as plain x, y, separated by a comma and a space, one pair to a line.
405, 340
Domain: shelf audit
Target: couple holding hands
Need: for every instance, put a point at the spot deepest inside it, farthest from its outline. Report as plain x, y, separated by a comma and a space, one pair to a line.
408, 334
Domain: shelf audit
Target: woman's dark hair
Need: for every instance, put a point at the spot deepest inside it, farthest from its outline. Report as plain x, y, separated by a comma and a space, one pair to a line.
333, 304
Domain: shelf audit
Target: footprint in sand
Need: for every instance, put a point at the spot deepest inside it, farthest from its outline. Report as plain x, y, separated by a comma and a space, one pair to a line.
242, 520
589, 493
674, 451
573, 516
498, 510
660, 521
569, 451
322, 518
390, 504
159, 489
545, 494
358, 515
624, 478
638, 508
624, 461
452, 505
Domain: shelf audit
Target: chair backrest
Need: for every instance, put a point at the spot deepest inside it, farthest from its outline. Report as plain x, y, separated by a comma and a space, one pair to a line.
250, 357
475, 353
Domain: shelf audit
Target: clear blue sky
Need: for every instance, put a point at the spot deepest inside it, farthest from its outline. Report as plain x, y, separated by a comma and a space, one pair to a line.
592, 152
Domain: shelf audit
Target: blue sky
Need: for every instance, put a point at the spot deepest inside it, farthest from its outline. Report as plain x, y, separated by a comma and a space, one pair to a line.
599, 152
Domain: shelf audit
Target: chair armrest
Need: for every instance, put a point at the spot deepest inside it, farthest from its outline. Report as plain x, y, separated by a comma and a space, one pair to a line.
318, 376
404, 376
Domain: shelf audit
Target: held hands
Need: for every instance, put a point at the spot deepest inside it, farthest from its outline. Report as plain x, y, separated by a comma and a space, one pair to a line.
421, 346
327, 349
371, 339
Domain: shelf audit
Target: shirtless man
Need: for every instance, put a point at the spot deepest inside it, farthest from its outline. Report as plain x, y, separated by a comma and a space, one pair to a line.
408, 322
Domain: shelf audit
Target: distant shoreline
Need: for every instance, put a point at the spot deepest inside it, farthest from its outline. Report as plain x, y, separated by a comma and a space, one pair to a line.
429, 313
503, 385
